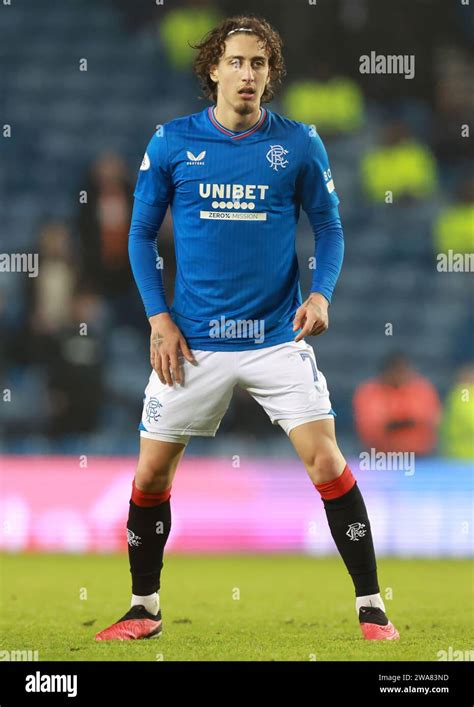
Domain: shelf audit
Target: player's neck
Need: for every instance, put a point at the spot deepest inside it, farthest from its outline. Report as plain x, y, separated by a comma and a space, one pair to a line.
231, 120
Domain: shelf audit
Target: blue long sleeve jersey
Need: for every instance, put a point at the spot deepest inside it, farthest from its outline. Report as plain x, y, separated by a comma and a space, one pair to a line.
235, 200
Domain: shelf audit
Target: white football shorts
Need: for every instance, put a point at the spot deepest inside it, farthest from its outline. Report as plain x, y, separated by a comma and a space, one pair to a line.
284, 379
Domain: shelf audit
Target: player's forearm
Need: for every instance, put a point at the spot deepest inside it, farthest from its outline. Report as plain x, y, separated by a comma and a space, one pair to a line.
143, 254
329, 251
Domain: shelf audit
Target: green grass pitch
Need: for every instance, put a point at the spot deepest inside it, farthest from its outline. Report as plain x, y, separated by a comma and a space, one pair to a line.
233, 607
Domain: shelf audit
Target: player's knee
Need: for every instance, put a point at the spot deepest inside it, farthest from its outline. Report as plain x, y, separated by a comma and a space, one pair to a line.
154, 475
152, 481
325, 464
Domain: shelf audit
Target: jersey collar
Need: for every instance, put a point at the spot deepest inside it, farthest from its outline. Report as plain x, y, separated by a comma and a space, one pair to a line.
234, 135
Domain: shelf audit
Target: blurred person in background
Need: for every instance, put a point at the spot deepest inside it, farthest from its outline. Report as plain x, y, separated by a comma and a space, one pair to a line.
454, 227
181, 27
457, 428
48, 297
50, 294
401, 174
453, 105
401, 165
103, 223
398, 411
72, 357
334, 103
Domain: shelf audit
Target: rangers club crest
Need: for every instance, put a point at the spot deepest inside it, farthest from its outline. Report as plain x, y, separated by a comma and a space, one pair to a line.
356, 531
276, 157
133, 539
151, 410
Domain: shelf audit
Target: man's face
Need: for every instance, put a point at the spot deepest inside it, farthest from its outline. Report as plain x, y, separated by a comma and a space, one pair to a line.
242, 73
398, 373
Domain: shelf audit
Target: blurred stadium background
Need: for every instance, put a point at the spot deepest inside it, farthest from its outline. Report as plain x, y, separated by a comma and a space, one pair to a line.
84, 84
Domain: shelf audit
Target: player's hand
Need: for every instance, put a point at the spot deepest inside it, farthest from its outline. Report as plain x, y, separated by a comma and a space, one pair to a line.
312, 316
166, 343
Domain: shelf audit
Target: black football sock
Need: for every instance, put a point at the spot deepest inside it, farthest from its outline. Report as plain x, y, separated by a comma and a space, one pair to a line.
148, 528
350, 528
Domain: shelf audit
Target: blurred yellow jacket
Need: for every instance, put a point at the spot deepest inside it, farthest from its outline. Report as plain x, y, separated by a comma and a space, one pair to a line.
408, 168
454, 229
336, 105
457, 431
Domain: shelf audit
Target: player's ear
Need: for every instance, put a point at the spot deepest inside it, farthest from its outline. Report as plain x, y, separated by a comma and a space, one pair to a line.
213, 73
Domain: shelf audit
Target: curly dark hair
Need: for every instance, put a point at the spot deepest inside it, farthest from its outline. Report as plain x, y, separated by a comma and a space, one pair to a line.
212, 47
